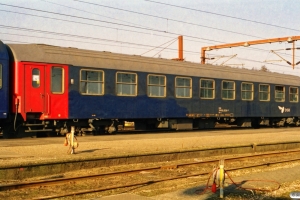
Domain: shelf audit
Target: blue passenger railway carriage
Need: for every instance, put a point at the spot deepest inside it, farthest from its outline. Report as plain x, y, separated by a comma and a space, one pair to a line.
4, 81
53, 88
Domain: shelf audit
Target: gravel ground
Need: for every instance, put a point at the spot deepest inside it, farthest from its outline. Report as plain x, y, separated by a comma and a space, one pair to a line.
32, 150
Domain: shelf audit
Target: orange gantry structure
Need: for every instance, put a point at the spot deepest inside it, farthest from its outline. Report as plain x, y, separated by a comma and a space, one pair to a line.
290, 39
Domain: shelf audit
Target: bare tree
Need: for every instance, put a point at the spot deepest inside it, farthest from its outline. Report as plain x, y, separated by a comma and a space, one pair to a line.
264, 68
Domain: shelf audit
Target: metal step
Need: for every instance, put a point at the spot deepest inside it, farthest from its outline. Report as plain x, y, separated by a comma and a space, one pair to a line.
41, 130
34, 125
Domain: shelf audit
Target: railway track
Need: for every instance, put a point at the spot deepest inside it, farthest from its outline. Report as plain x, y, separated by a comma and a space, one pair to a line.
159, 174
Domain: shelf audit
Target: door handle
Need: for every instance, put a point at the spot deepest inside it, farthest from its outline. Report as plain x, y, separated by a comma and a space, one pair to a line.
48, 102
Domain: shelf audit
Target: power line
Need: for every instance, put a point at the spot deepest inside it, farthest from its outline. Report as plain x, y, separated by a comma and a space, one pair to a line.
98, 25
14, 41
174, 39
91, 13
171, 20
83, 37
102, 21
77, 41
256, 61
155, 16
90, 24
222, 15
85, 18
84, 23
101, 39
110, 27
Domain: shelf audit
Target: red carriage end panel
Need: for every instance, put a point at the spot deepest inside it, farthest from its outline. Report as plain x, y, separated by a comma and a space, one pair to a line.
44, 91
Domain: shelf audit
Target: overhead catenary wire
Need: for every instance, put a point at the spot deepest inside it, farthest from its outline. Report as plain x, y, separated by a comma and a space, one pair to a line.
77, 41
127, 30
83, 37
103, 21
164, 36
90, 12
160, 45
190, 52
106, 22
97, 4
15, 41
251, 60
92, 38
83, 23
168, 19
101, 39
164, 48
112, 27
152, 16
222, 15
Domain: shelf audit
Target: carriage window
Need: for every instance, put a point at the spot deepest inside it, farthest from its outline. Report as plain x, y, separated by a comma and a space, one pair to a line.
156, 86
207, 89
36, 78
57, 80
183, 87
126, 84
92, 82
293, 94
247, 91
279, 93
0, 76
264, 92
228, 90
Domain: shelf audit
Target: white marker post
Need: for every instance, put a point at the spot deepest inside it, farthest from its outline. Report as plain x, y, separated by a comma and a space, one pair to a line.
72, 139
222, 176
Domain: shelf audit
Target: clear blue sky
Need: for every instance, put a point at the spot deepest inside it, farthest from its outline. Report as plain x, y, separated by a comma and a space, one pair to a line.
83, 24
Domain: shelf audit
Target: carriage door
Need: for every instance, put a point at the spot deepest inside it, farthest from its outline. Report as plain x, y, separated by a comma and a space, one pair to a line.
35, 88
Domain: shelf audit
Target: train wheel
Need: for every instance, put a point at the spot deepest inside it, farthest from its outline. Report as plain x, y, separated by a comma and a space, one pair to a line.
255, 123
7, 131
10, 132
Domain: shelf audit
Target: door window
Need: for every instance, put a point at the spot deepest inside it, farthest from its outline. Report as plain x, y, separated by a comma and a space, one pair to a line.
57, 80
36, 78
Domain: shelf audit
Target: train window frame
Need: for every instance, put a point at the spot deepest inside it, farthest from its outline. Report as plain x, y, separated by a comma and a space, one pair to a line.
206, 88
297, 94
100, 82
183, 87
276, 93
36, 78
244, 91
125, 83
222, 90
62, 80
1, 80
157, 85
264, 92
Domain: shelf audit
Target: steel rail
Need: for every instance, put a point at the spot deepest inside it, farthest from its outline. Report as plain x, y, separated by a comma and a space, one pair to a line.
79, 178
159, 180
